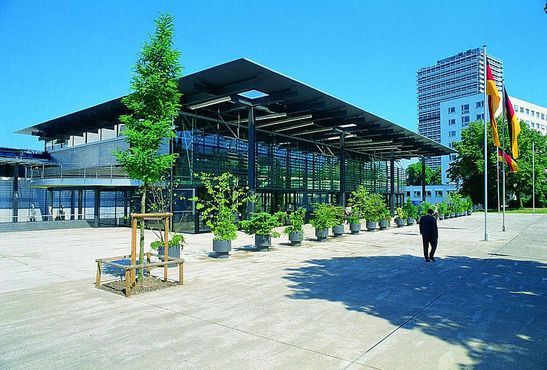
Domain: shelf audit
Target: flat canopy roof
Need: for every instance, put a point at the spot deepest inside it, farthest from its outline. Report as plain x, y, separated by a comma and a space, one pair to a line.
287, 112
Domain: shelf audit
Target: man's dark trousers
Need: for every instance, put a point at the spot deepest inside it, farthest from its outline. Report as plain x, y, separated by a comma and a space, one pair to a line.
430, 234
427, 240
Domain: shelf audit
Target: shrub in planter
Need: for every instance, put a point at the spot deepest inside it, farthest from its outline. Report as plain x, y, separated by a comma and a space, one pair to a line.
295, 228
400, 217
323, 218
385, 220
357, 202
340, 219
354, 224
374, 210
174, 245
411, 212
442, 209
221, 202
262, 225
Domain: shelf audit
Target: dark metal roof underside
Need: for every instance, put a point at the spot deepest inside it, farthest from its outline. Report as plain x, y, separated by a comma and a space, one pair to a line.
318, 127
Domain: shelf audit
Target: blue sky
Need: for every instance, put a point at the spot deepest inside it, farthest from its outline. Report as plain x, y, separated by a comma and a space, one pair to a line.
61, 56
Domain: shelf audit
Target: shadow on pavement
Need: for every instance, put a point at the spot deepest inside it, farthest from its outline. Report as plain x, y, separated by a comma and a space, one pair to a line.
494, 308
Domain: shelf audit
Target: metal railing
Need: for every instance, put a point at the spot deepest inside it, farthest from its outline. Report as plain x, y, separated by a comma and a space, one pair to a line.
61, 172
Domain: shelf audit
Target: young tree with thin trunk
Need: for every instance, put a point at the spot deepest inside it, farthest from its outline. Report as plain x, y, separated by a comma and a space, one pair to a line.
153, 103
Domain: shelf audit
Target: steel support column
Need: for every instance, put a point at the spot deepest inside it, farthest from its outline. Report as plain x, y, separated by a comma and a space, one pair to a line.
72, 204
80, 204
49, 204
423, 179
251, 159
392, 183
15, 193
342, 159
96, 207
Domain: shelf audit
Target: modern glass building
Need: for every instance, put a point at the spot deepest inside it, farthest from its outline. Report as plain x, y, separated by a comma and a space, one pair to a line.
291, 144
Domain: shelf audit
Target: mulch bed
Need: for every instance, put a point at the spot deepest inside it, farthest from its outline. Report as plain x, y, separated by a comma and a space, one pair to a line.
148, 284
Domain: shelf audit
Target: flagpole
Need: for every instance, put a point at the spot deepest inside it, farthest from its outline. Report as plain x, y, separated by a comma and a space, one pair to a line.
498, 182
485, 152
503, 150
533, 177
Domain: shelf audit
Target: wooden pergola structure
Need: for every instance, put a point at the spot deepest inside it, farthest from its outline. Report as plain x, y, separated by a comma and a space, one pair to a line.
130, 271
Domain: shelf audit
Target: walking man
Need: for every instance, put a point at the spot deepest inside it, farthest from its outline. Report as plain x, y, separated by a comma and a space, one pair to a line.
430, 234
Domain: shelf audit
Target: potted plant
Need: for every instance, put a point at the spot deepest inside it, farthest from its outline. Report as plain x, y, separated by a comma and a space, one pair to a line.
469, 205
373, 211
385, 221
174, 245
323, 218
411, 212
400, 217
442, 209
262, 225
424, 206
354, 223
295, 228
357, 203
340, 219
221, 202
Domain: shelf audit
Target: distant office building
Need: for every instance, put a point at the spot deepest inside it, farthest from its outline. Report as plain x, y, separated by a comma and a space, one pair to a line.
433, 193
534, 115
456, 115
458, 76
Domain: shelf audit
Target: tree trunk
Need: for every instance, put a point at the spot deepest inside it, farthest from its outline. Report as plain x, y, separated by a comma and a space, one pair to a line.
141, 248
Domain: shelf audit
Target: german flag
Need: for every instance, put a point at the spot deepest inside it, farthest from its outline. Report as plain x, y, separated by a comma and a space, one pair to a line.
494, 99
513, 124
502, 156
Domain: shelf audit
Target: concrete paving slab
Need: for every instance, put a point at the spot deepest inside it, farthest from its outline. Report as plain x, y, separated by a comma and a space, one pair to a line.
366, 301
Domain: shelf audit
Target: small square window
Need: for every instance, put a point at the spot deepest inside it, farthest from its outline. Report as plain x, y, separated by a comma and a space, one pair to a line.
438, 193
451, 109
451, 121
479, 104
465, 108
521, 110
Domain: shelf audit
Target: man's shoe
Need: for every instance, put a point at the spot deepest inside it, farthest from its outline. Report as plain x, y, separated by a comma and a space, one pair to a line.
427, 260
432, 259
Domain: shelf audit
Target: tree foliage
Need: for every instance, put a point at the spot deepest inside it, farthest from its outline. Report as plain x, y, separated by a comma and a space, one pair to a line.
468, 168
153, 105
414, 174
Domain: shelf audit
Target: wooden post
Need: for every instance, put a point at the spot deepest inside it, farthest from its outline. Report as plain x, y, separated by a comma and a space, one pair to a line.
128, 277
98, 277
133, 247
165, 246
181, 273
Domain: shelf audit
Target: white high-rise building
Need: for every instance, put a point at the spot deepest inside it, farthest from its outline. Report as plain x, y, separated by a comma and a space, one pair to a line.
456, 114
534, 115
458, 76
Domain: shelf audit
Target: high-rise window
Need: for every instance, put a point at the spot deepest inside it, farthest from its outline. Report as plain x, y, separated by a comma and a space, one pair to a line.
451, 121
480, 117
479, 104
521, 110
451, 133
465, 108
451, 109
465, 119
527, 112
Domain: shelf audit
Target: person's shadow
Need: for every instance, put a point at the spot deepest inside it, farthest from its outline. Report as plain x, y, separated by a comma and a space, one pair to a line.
498, 302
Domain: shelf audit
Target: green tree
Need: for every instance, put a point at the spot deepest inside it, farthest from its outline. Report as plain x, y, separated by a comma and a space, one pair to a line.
468, 168
414, 174
153, 103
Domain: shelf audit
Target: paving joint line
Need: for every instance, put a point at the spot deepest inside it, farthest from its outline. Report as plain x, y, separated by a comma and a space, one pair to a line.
458, 281
249, 333
37, 268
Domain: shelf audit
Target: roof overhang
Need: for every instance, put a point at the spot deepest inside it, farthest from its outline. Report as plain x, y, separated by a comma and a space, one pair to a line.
286, 111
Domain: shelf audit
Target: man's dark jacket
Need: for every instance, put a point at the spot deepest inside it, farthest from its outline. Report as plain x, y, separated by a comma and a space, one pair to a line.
428, 227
